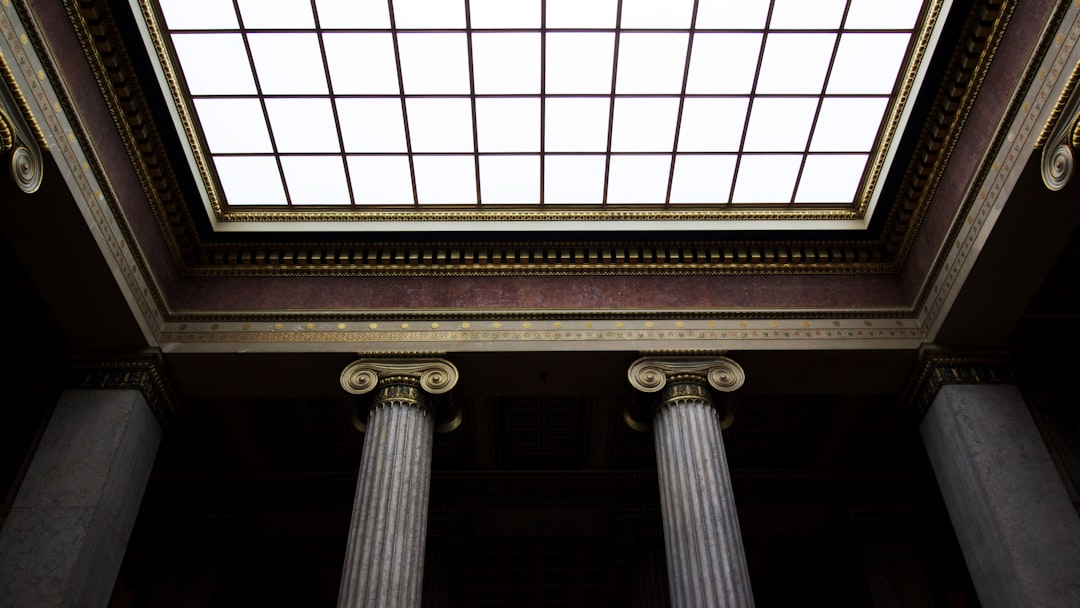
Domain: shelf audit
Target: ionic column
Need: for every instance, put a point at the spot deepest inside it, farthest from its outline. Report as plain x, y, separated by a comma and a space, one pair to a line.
1013, 518
705, 559
384, 558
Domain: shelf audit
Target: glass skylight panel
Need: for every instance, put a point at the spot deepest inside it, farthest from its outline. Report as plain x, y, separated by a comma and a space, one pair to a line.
447, 180
371, 124
795, 63
650, 14
574, 179
702, 178
214, 64
288, 64
723, 63
638, 179
381, 180
276, 14
316, 180
250, 180
510, 179
508, 125
440, 125
831, 177
733, 14
576, 124
199, 14
434, 63
361, 63
234, 125
353, 14
712, 124
644, 124
651, 63
778, 96
506, 63
303, 125
867, 63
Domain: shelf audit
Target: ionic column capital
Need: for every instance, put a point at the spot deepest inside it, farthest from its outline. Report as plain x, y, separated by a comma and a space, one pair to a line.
677, 379
403, 382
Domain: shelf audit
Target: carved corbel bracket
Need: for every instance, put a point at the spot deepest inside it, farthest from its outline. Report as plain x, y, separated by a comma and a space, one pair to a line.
16, 138
433, 376
652, 374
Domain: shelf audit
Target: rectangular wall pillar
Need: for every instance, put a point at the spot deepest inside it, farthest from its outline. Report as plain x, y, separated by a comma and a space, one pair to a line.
65, 538
1013, 518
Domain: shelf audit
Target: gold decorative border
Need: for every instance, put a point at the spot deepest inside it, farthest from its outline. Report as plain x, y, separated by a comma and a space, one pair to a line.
96, 29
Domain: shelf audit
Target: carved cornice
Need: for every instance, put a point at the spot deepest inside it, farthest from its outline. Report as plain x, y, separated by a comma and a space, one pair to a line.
404, 381
936, 368
114, 72
145, 373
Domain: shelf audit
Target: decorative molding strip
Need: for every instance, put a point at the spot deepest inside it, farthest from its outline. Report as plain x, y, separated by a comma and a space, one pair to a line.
144, 372
936, 368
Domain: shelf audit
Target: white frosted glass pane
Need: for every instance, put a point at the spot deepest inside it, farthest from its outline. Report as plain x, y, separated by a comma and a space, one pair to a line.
654, 14
371, 125
795, 63
429, 13
732, 14
574, 179
804, 15
445, 179
509, 179
704, 178
581, 13
381, 180
723, 63
506, 63
847, 124
250, 180
780, 125
214, 64
579, 63
638, 179
576, 125
361, 63
198, 14
276, 14
316, 180
867, 63
766, 178
288, 64
303, 125
651, 63
434, 63
504, 14
644, 125
440, 125
233, 125
508, 125
712, 125
875, 14
831, 178
359, 14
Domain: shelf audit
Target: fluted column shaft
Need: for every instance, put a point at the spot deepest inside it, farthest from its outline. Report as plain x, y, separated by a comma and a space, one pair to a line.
384, 558
706, 562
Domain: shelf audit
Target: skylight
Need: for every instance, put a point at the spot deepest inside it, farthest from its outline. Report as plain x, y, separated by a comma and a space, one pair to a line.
542, 104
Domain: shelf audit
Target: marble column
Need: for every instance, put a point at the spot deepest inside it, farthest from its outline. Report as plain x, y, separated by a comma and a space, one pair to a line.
705, 559
1016, 526
384, 558
65, 538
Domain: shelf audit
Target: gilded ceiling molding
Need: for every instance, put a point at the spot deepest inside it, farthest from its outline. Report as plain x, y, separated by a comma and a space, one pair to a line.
96, 28
143, 372
1060, 139
937, 368
20, 135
